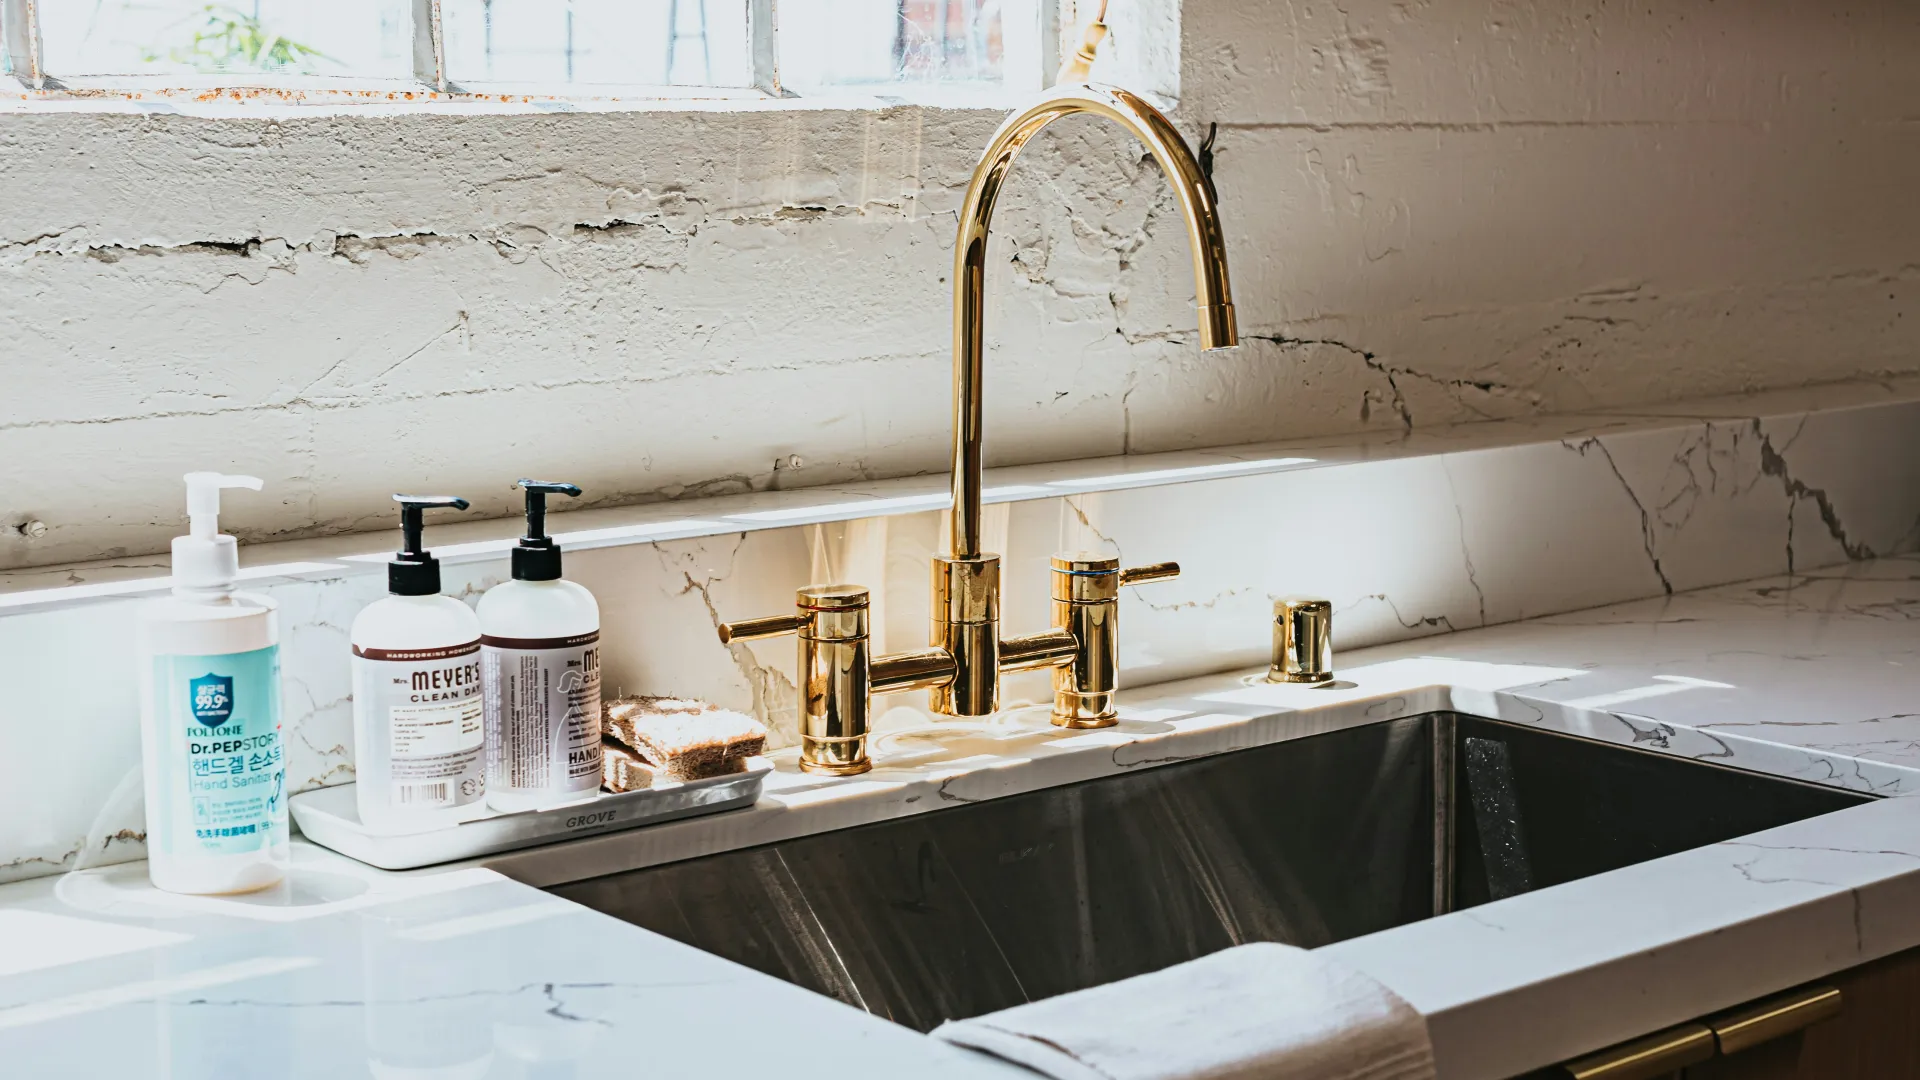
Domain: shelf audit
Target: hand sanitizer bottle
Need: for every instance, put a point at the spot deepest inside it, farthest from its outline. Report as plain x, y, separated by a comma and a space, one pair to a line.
209, 660
419, 738
540, 655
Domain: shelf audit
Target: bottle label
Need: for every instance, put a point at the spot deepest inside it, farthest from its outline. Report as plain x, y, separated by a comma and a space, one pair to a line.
426, 704
543, 712
222, 715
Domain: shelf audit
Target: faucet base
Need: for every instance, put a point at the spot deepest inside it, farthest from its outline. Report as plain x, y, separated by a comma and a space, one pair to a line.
966, 626
834, 757
835, 770
1082, 709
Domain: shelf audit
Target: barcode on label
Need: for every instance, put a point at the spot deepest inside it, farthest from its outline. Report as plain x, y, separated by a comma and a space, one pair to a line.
438, 794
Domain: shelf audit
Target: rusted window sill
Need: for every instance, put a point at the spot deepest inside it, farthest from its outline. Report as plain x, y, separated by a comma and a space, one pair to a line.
411, 98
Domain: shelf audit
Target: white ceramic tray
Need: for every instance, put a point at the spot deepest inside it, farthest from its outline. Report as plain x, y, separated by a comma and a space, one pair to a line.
327, 817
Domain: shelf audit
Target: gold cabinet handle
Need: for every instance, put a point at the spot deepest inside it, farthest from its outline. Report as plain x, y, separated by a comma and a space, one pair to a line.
1728, 1032
1770, 1018
1647, 1057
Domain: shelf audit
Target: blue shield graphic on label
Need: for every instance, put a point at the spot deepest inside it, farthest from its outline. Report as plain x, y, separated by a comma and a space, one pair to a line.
212, 698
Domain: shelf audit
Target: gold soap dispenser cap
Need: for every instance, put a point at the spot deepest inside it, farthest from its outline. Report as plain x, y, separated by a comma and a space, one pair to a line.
1302, 640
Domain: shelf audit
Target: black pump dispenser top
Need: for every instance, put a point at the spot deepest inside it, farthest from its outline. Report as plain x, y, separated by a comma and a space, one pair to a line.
537, 557
414, 571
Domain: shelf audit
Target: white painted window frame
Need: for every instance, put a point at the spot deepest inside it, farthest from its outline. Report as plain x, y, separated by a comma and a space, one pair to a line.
1030, 30
20, 46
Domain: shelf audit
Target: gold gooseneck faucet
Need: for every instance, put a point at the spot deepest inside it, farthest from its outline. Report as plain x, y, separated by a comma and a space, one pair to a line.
836, 671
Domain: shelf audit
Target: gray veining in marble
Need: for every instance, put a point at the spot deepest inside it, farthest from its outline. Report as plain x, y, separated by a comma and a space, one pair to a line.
1786, 676
1412, 536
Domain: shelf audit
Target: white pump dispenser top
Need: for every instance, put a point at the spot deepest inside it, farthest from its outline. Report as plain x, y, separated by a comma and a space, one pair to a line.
205, 560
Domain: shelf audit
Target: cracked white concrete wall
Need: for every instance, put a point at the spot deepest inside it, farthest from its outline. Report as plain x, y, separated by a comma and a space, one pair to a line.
1438, 211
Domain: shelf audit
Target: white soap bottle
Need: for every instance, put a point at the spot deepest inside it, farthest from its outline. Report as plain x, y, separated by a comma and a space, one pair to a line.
209, 667
540, 654
419, 732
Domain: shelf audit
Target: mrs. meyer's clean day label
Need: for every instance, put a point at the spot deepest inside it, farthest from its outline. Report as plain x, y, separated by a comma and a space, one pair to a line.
431, 702
543, 719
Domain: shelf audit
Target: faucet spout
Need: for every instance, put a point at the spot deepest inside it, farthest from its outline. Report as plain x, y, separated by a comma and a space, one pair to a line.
1213, 297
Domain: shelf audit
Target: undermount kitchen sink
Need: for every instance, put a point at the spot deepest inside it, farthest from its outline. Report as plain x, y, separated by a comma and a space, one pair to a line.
976, 907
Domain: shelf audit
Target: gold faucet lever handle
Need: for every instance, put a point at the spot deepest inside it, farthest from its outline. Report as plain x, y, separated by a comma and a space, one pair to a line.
756, 629
1084, 646
1140, 575
832, 671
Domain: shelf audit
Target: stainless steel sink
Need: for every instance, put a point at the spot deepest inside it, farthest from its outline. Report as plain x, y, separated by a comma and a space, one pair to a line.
977, 907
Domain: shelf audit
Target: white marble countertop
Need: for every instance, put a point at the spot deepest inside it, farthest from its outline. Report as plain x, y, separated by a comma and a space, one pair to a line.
461, 972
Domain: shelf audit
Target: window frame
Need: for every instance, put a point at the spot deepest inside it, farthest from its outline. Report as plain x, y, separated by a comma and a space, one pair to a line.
1031, 54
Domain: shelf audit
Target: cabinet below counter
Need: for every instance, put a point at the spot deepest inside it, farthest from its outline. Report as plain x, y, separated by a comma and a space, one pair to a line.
1859, 1024
1875, 1036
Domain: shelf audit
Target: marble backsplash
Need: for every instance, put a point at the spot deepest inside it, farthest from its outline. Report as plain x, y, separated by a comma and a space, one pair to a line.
1442, 530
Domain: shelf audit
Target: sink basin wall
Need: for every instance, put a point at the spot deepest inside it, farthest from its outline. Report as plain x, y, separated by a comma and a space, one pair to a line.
980, 906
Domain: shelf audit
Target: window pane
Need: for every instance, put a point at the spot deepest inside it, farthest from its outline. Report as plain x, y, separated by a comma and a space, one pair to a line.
358, 38
870, 43
558, 43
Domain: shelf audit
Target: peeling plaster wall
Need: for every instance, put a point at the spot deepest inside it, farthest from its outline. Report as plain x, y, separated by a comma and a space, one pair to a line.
1438, 211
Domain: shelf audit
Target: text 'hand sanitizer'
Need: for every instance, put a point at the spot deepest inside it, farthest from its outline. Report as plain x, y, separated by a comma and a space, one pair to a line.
209, 660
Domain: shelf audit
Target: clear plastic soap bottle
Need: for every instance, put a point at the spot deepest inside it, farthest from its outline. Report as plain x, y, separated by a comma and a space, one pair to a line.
209, 667
540, 652
419, 733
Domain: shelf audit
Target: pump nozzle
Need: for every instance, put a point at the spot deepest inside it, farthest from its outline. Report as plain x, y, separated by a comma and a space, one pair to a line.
203, 500
413, 570
203, 560
537, 558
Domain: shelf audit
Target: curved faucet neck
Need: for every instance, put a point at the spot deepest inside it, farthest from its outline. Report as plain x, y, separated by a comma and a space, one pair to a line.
1213, 297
